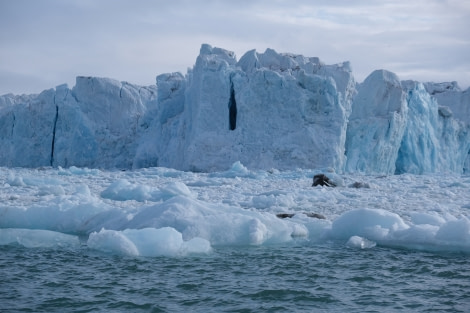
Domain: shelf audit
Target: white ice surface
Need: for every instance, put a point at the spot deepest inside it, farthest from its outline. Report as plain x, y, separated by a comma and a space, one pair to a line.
164, 241
37, 238
359, 242
160, 211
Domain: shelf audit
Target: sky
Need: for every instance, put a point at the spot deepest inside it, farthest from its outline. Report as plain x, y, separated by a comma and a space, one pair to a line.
46, 43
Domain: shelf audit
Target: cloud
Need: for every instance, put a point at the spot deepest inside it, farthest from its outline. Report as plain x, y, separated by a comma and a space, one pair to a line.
52, 41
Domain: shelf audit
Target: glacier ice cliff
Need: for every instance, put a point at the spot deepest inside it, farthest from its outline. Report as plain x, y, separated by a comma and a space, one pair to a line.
266, 110
376, 124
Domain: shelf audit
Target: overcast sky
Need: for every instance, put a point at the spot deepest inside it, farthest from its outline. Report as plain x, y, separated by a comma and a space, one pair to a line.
45, 43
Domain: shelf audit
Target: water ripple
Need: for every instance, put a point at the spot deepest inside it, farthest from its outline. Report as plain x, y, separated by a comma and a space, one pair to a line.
294, 278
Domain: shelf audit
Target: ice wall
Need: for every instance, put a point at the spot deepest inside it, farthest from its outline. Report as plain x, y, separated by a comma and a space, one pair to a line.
267, 110
454, 103
434, 141
376, 124
158, 145
292, 111
208, 143
105, 121
98, 123
26, 129
403, 127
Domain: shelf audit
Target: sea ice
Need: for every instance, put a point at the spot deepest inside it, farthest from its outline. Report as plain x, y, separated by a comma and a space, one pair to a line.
359, 242
147, 242
186, 212
37, 238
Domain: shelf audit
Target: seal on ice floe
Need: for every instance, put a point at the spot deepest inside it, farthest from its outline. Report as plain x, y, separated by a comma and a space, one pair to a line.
322, 180
285, 215
359, 185
309, 214
316, 215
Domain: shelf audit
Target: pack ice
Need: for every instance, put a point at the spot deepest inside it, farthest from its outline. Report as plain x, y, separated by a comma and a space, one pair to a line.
266, 110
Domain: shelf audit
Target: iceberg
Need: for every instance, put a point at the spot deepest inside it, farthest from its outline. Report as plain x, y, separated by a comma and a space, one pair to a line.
147, 242
266, 110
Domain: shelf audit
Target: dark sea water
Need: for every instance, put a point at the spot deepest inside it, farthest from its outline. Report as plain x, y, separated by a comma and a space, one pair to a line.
294, 277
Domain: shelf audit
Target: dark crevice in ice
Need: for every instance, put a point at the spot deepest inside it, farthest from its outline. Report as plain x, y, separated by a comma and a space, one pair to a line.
13, 125
232, 108
53, 133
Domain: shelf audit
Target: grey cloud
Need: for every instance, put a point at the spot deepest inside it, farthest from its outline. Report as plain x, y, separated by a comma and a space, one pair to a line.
137, 40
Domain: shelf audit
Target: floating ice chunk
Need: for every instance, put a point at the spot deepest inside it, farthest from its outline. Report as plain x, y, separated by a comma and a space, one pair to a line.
457, 231
51, 190
313, 228
416, 235
236, 170
300, 230
258, 232
218, 223
452, 236
196, 246
425, 218
375, 224
238, 167
388, 229
111, 241
71, 215
359, 242
37, 238
82, 190
147, 242
73, 170
175, 189
123, 190
273, 200
155, 242
14, 180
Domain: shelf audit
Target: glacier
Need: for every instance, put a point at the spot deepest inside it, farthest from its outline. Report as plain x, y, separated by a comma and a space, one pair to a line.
265, 110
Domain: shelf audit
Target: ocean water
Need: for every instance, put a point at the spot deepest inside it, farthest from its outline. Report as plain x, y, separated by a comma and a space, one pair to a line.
161, 240
298, 277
